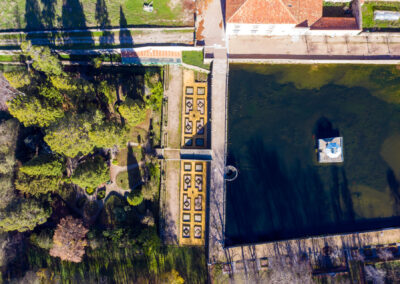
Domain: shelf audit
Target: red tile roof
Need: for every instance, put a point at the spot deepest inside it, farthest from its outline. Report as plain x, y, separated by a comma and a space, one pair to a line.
273, 11
331, 23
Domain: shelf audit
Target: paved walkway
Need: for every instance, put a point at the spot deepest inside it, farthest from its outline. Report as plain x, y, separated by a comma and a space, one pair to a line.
170, 200
364, 44
218, 140
210, 22
144, 37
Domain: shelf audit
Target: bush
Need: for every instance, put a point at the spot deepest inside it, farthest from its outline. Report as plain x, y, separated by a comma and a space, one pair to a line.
91, 174
90, 190
135, 198
45, 165
133, 111
101, 194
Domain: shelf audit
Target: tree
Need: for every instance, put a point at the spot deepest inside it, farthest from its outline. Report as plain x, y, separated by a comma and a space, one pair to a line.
377, 276
35, 185
23, 215
91, 173
42, 59
154, 100
108, 135
44, 165
70, 136
31, 110
133, 111
171, 277
135, 198
79, 134
151, 188
69, 240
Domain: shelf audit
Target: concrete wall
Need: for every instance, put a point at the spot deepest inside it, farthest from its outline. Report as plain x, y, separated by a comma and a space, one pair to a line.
262, 29
281, 30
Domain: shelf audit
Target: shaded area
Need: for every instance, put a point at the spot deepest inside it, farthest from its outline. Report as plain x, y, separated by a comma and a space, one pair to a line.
73, 15
282, 192
103, 21
125, 36
33, 15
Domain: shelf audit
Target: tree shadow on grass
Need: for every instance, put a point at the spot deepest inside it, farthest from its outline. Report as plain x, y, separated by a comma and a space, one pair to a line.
134, 175
48, 13
103, 21
125, 36
33, 15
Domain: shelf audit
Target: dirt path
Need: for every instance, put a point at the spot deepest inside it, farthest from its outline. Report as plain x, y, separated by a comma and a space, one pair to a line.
174, 95
171, 212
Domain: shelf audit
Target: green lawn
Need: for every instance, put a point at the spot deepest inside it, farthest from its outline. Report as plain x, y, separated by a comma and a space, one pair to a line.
36, 14
368, 14
194, 58
128, 180
9, 58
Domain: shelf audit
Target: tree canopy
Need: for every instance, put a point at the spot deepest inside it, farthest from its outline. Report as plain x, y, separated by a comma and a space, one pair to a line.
23, 215
31, 110
133, 111
78, 134
69, 240
45, 165
91, 173
42, 58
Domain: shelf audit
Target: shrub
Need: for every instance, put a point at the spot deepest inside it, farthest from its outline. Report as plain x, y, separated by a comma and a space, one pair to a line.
90, 190
91, 173
101, 194
133, 111
45, 165
135, 198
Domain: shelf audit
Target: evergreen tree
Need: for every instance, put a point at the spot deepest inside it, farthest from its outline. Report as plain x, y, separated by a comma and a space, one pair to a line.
133, 111
91, 174
23, 215
33, 111
44, 165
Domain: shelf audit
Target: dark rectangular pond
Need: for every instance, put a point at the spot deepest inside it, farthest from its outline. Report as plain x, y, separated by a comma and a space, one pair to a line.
275, 115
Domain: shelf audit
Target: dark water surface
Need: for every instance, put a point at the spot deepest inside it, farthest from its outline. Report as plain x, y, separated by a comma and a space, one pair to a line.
275, 114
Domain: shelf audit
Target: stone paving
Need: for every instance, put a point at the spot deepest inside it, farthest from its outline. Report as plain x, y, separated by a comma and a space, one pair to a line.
362, 45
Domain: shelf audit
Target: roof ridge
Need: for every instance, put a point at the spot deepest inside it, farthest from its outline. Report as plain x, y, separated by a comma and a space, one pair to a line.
287, 9
240, 7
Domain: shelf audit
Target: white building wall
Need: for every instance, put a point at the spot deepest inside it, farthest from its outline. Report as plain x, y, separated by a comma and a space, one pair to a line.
283, 29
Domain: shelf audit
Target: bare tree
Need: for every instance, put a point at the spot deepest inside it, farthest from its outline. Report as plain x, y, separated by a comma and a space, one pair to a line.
291, 269
385, 254
377, 276
69, 240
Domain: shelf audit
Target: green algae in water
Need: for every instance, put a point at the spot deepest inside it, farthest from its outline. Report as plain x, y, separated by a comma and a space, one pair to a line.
276, 113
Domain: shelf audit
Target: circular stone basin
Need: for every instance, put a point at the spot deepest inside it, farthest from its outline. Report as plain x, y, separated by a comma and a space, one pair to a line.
231, 173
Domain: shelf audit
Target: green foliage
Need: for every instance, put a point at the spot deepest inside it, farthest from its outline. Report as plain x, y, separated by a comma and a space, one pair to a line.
33, 111
19, 79
154, 100
70, 136
90, 190
64, 83
128, 179
36, 185
42, 58
101, 194
23, 215
135, 198
78, 134
51, 94
151, 189
91, 173
194, 58
8, 137
45, 165
109, 92
108, 135
44, 239
368, 9
133, 111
